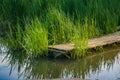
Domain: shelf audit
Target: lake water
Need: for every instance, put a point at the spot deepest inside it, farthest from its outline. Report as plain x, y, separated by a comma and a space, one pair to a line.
15, 65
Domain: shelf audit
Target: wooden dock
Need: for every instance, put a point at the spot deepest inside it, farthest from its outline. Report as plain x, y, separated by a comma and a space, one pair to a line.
92, 43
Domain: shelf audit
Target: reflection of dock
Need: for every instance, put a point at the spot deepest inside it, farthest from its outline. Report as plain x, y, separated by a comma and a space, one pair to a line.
92, 43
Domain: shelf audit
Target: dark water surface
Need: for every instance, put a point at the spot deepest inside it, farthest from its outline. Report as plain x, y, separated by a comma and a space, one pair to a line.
15, 65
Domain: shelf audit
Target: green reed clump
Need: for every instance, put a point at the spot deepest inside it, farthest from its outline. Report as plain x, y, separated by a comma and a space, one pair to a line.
82, 33
105, 12
80, 41
15, 37
36, 37
60, 28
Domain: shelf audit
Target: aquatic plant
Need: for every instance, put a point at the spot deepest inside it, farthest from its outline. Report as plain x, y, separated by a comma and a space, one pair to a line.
82, 33
15, 37
60, 28
36, 37
35, 24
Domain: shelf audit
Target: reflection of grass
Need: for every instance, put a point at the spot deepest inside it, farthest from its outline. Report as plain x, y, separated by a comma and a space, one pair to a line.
100, 48
35, 24
39, 68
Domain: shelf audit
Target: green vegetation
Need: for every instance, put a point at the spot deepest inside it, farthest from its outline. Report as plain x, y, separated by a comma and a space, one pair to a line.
36, 37
34, 24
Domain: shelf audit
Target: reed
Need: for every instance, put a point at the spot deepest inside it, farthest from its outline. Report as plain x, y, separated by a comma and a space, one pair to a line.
15, 37
36, 37
35, 24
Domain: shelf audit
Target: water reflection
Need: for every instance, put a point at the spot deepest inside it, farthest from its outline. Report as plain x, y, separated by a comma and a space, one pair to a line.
101, 66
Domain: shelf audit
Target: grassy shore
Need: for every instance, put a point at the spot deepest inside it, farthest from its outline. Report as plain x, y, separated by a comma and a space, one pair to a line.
35, 24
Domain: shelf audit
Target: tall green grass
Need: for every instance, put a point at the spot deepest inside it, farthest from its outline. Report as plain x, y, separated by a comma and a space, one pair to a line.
35, 24
82, 33
106, 12
36, 37
60, 28
15, 37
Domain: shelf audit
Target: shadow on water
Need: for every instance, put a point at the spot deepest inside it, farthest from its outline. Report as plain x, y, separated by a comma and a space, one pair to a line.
100, 66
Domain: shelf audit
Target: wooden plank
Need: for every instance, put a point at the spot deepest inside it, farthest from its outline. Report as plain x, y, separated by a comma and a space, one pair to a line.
92, 43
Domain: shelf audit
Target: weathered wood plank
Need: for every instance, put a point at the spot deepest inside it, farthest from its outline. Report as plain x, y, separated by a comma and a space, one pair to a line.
92, 43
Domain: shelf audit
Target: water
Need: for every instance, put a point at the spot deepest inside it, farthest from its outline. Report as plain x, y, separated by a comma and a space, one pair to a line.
15, 65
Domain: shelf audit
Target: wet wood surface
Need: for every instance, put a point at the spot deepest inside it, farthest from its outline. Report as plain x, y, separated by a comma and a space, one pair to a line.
92, 43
